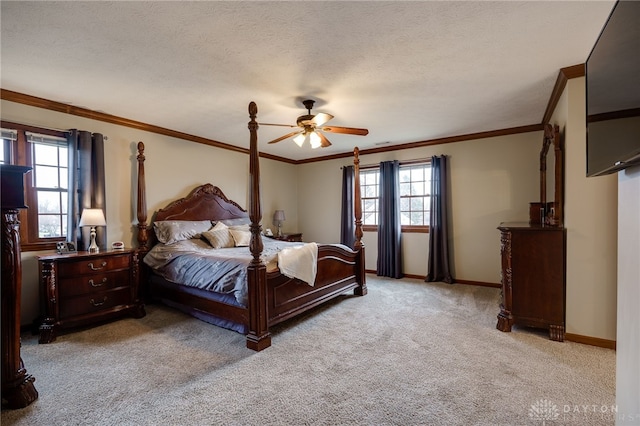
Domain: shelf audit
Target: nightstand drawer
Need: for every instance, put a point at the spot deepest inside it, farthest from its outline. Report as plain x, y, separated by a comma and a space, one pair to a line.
97, 302
84, 284
93, 265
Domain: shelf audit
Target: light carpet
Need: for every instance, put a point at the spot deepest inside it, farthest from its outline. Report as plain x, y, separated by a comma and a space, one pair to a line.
408, 353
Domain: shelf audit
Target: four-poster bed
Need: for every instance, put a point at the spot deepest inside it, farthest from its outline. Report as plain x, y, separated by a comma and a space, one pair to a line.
271, 297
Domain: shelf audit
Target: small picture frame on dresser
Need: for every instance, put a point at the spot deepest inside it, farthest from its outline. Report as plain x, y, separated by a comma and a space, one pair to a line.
65, 247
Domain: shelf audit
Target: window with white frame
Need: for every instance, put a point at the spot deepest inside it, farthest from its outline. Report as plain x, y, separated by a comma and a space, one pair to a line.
8, 136
415, 188
50, 182
369, 193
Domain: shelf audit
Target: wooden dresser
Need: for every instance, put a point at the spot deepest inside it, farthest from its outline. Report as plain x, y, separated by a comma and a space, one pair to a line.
83, 288
533, 277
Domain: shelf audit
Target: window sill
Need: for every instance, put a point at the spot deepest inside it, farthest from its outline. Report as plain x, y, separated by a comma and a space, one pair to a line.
404, 229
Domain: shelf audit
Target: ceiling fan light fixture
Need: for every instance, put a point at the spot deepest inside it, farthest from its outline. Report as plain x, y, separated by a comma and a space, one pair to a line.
312, 127
299, 140
315, 140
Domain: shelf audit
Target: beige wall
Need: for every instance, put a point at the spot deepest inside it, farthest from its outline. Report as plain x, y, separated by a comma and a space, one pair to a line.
173, 168
493, 180
591, 222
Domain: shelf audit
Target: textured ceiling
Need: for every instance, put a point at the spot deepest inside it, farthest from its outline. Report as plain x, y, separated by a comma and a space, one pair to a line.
407, 71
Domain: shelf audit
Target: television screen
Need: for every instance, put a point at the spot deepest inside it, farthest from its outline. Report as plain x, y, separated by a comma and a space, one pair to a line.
613, 93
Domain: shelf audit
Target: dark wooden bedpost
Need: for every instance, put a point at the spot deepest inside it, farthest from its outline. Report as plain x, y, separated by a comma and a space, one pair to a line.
140, 271
143, 236
258, 337
357, 209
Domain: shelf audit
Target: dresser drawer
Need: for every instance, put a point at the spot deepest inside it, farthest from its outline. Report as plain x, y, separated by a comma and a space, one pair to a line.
93, 265
84, 284
96, 302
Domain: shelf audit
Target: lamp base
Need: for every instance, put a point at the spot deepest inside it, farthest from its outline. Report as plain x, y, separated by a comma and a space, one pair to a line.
93, 247
279, 230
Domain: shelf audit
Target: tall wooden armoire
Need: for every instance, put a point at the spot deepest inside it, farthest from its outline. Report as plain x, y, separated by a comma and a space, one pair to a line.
18, 390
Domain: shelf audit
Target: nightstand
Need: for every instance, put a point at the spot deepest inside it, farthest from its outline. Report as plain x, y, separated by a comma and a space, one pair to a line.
289, 237
82, 288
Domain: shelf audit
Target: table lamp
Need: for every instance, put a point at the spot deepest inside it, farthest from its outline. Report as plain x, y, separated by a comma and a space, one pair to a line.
92, 218
278, 217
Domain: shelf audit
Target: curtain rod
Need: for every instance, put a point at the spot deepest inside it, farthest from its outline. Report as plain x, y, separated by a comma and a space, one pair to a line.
405, 162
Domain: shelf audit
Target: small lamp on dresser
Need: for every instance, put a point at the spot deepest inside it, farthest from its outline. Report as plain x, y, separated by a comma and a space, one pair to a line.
92, 218
278, 218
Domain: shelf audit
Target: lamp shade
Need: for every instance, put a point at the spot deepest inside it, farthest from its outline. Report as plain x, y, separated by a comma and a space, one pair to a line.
278, 216
315, 140
299, 140
92, 217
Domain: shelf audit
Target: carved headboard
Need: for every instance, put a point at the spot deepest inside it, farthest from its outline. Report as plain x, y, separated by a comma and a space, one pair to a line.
204, 202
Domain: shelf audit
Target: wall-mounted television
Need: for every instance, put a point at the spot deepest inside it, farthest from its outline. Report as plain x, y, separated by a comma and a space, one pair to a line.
613, 93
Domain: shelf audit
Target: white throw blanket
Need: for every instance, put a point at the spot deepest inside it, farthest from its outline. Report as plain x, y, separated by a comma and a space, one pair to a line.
300, 262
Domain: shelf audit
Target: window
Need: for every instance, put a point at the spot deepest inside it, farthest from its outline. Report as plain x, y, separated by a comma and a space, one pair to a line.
415, 186
45, 221
369, 193
49, 182
8, 137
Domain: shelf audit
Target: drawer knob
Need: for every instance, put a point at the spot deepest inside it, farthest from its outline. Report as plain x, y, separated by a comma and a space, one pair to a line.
100, 284
93, 268
94, 303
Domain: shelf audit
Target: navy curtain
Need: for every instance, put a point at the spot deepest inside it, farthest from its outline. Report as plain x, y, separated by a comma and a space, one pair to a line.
347, 226
439, 266
389, 231
86, 185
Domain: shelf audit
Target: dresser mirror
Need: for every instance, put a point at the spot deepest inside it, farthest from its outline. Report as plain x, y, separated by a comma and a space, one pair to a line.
549, 210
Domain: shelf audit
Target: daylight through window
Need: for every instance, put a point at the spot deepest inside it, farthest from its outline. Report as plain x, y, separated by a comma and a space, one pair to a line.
50, 181
415, 187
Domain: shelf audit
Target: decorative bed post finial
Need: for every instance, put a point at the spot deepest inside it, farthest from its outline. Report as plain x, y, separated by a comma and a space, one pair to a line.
255, 210
358, 205
258, 336
143, 236
361, 290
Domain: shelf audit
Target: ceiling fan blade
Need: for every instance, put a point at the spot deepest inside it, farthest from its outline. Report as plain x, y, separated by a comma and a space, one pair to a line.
281, 125
324, 141
288, 135
321, 118
346, 130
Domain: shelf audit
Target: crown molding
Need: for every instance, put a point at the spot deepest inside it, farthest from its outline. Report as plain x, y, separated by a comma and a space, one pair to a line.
37, 102
564, 75
439, 141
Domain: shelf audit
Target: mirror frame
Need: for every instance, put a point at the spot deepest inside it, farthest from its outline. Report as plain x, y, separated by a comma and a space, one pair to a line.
544, 212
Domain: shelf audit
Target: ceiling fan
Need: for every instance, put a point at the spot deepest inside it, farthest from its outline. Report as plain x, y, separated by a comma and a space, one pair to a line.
311, 127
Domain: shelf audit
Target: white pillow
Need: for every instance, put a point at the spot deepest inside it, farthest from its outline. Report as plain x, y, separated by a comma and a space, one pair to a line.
240, 238
172, 231
219, 236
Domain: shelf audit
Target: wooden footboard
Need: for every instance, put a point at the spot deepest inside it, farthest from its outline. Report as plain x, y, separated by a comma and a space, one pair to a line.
337, 274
